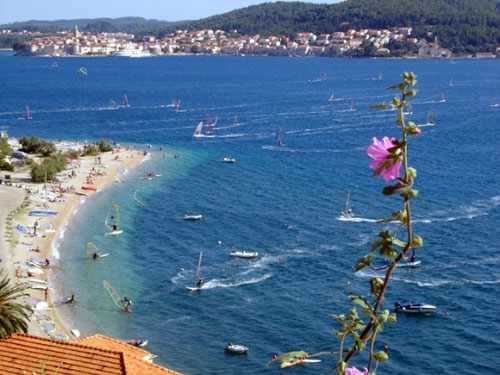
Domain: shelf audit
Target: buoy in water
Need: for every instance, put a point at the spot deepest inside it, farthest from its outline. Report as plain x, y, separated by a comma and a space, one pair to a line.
348, 283
220, 242
447, 314
281, 258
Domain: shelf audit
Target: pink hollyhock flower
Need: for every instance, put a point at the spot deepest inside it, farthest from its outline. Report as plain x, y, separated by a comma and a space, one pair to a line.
354, 371
382, 162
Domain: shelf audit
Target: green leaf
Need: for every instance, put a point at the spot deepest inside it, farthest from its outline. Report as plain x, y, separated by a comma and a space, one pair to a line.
392, 88
392, 318
362, 262
389, 190
412, 173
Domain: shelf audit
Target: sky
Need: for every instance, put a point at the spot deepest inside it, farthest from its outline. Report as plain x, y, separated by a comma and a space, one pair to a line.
164, 10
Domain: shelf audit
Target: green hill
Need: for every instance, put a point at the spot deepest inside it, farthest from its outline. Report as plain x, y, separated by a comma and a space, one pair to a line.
461, 25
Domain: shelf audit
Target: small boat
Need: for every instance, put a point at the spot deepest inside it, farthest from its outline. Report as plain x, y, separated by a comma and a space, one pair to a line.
235, 349
225, 159
27, 113
75, 333
495, 104
198, 279
348, 211
332, 97
414, 308
244, 254
442, 99
113, 220
192, 217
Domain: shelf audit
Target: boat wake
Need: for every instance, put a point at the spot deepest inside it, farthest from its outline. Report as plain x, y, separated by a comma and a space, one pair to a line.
356, 219
216, 283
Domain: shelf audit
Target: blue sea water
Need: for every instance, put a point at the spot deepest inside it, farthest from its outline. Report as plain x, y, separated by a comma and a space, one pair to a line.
283, 202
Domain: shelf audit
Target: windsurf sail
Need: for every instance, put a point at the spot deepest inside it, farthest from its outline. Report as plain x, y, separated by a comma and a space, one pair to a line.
352, 107
332, 97
82, 71
117, 299
90, 246
113, 103
443, 99
235, 122
27, 113
113, 218
125, 100
279, 137
197, 275
197, 131
430, 119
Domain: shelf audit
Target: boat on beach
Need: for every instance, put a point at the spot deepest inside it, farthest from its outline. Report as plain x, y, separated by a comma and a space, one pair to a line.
244, 254
235, 349
414, 308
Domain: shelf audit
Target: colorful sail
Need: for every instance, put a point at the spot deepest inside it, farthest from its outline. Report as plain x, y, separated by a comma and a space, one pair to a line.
125, 100
117, 299
82, 71
113, 218
27, 113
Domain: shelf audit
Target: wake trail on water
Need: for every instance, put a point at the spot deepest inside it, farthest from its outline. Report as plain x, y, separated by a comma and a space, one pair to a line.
216, 283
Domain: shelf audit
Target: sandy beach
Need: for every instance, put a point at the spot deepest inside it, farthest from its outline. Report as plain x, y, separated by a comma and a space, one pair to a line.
27, 240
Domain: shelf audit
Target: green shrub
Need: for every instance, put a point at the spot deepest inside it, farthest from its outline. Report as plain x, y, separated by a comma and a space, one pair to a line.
72, 154
104, 146
49, 167
90, 150
5, 166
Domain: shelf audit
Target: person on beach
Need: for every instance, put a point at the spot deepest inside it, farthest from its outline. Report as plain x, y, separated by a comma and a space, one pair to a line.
34, 227
47, 262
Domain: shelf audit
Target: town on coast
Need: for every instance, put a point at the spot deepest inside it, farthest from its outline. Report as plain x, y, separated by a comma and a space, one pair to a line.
218, 42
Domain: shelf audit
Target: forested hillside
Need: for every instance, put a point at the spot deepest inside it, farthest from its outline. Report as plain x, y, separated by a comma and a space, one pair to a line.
461, 25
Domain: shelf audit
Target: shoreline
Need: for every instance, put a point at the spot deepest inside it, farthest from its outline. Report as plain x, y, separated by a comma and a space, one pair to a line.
19, 242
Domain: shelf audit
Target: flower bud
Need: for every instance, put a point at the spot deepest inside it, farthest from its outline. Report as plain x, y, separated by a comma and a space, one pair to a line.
417, 241
381, 356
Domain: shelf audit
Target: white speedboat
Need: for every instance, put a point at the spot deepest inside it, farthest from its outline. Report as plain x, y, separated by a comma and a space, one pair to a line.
236, 349
225, 159
414, 308
244, 254
192, 217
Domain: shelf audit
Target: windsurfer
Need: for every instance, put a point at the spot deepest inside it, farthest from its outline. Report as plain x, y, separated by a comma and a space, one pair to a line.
96, 255
200, 281
126, 303
72, 298
114, 227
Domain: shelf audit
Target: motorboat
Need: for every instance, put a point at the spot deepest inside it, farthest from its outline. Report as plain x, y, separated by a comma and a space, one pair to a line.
414, 308
244, 254
225, 159
236, 349
192, 217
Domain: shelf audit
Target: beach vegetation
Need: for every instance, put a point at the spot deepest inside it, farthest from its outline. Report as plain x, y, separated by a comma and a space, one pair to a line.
358, 330
48, 168
90, 150
14, 316
5, 150
74, 154
104, 146
35, 145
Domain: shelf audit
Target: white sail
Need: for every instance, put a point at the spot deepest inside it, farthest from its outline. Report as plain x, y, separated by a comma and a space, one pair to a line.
113, 218
197, 132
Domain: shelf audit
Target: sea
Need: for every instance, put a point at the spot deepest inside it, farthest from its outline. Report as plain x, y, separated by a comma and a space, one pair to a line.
283, 202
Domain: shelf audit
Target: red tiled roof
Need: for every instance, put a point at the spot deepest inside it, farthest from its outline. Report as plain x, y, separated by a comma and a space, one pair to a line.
21, 352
